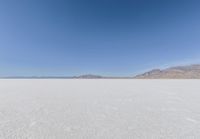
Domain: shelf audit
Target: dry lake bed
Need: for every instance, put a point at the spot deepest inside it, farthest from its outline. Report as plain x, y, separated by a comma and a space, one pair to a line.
99, 109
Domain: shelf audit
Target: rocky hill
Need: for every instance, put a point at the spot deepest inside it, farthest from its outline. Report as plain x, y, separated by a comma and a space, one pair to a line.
179, 72
88, 76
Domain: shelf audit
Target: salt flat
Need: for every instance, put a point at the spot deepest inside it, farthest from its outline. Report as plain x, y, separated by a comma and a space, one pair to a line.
99, 109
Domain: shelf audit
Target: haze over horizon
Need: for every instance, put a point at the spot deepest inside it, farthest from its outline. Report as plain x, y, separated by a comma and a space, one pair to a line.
104, 37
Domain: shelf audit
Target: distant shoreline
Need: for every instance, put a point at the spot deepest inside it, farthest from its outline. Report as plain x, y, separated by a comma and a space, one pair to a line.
65, 78
178, 72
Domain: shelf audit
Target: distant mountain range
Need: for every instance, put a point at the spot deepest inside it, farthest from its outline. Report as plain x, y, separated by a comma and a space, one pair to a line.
89, 76
179, 72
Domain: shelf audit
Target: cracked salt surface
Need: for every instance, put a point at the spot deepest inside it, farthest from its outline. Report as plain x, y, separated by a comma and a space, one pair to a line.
99, 109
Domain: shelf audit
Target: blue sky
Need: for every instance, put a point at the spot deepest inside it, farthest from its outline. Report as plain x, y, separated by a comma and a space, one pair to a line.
106, 37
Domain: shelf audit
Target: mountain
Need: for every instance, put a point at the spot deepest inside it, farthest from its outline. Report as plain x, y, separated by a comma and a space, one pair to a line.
88, 76
179, 72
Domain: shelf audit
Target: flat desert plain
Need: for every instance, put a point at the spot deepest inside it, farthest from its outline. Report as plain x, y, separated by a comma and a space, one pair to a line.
99, 109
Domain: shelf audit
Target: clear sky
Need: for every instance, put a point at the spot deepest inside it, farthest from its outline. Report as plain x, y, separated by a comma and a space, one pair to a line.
106, 37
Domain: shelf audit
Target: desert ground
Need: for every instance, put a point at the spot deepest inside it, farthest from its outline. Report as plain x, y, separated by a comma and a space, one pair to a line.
99, 109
